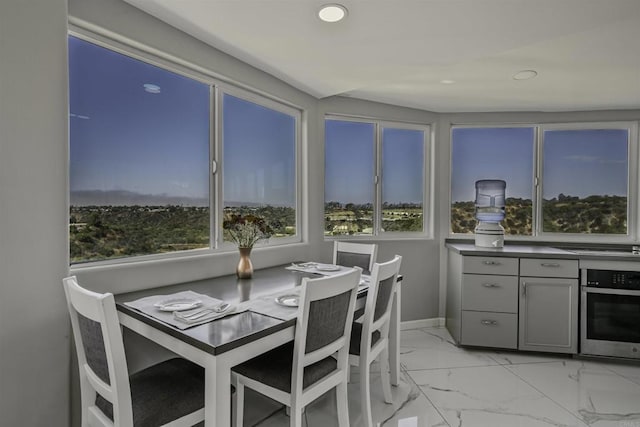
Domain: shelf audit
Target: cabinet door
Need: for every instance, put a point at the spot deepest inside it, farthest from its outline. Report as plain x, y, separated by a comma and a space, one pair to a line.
548, 316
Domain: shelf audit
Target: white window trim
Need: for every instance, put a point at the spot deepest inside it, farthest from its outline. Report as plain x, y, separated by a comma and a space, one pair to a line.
273, 105
427, 179
632, 184
633, 214
218, 85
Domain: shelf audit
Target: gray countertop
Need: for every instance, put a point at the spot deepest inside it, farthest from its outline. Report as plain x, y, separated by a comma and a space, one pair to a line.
536, 251
512, 251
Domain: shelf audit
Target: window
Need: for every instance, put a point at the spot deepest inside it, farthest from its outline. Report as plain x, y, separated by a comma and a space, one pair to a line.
142, 142
260, 163
348, 177
139, 157
585, 181
375, 178
570, 180
403, 181
492, 153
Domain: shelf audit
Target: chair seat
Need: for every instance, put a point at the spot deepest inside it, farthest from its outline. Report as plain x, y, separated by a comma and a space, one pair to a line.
274, 369
356, 334
163, 393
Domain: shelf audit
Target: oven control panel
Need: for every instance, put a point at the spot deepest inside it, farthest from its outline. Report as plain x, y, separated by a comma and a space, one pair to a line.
613, 279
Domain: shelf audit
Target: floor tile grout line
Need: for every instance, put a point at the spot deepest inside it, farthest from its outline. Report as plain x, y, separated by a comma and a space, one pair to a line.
621, 375
555, 402
427, 397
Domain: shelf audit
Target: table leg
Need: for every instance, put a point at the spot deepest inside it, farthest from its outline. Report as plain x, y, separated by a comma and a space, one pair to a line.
223, 395
394, 337
217, 394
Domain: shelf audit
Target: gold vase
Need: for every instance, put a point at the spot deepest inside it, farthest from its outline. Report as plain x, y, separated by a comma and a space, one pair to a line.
244, 270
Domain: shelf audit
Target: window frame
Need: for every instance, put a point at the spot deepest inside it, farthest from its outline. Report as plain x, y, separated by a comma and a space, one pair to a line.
248, 96
218, 85
376, 180
632, 183
633, 198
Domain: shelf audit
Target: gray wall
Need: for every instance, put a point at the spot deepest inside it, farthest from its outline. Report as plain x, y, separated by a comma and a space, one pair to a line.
34, 331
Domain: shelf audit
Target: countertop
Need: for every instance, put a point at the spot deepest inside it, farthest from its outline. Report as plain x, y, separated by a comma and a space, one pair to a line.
599, 253
513, 251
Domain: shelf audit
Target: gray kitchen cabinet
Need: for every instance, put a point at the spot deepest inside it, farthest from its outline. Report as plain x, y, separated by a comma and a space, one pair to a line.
548, 312
513, 302
483, 301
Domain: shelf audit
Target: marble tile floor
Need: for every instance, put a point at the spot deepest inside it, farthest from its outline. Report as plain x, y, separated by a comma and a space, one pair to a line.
444, 385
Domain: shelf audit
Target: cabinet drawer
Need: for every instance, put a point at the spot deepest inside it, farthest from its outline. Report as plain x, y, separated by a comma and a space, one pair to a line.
490, 265
538, 267
483, 292
488, 329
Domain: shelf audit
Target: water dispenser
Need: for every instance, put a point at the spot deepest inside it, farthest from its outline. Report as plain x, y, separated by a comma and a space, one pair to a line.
489, 212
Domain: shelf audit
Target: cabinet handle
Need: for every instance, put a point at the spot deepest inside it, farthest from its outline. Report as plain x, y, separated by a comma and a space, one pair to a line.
550, 264
490, 262
524, 288
490, 285
489, 322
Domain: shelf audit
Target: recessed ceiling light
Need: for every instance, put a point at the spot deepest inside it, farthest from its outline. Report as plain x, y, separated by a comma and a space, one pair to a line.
447, 82
525, 75
332, 12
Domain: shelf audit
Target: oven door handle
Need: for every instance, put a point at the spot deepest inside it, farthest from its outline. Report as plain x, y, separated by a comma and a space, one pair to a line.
610, 291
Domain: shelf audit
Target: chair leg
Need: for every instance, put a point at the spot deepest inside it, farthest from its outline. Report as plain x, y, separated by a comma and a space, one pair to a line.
385, 376
295, 416
239, 404
342, 404
365, 392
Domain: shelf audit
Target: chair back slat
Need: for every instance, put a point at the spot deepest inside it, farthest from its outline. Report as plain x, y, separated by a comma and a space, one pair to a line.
386, 287
349, 259
377, 312
93, 345
327, 318
349, 254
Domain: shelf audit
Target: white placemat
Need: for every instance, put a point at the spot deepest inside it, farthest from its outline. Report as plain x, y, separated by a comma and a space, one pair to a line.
146, 305
316, 268
268, 306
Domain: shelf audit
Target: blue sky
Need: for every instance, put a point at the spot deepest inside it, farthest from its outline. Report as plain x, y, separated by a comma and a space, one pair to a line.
124, 137
491, 153
575, 162
140, 128
585, 162
259, 154
349, 163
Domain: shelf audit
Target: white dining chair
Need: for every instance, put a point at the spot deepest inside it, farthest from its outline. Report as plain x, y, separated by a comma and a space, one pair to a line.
370, 339
297, 373
349, 254
170, 393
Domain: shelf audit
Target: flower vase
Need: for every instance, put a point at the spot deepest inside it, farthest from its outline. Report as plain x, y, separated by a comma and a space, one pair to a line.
244, 270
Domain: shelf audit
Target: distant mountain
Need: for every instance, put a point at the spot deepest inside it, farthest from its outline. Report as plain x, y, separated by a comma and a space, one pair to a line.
129, 198
234, 204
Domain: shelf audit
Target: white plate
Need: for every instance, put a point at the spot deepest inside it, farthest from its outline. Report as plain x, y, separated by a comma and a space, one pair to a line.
327, 267
177, 304
288, 300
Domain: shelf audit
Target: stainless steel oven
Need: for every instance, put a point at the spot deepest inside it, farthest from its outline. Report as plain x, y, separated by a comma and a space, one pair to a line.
610, 313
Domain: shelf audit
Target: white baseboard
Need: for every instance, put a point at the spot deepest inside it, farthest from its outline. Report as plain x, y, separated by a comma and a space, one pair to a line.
422, 323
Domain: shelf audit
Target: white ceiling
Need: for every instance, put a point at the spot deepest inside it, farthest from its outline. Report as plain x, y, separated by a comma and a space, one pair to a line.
586, 52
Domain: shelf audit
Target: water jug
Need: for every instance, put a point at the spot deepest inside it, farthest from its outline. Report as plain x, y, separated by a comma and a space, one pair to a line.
490, 200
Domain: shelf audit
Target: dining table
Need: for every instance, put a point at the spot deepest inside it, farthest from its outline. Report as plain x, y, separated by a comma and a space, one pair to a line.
255, 324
